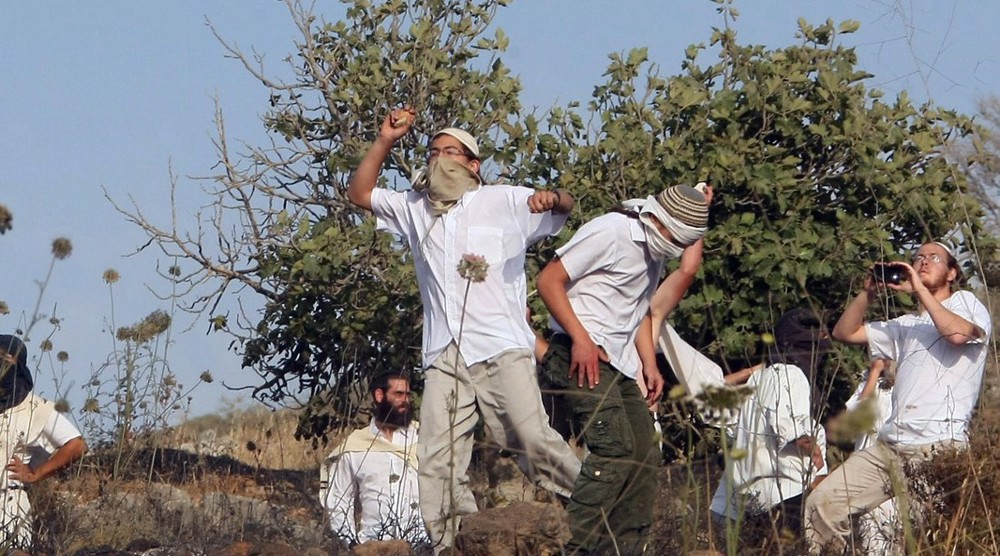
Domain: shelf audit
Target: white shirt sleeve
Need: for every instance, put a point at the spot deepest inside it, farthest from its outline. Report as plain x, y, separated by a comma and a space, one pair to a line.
390, 211
590, 249
968, 306
533, 226
340, 498
59, 430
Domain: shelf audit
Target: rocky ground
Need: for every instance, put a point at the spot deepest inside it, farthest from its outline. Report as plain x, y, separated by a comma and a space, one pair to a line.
177, 503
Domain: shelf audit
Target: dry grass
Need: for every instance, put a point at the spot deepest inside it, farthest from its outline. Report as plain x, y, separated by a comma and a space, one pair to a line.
253, 454
258, 437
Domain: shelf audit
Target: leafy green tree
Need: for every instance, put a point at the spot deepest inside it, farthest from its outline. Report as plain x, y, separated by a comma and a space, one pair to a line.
816, 176
341, 299
979, 158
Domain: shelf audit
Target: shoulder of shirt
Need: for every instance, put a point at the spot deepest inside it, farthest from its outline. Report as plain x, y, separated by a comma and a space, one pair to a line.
409, 194
966, 297
504, 189
783, 369
611, 217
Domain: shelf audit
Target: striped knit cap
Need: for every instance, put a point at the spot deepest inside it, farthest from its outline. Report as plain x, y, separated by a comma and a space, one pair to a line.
686, 204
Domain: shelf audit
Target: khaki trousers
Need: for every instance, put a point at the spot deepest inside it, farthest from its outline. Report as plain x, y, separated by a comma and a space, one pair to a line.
866, 480
504, 391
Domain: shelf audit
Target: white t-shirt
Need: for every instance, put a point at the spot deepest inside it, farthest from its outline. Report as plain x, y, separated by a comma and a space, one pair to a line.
386, 487
57, 431
611, 279
937, 383
772, 469
493, 221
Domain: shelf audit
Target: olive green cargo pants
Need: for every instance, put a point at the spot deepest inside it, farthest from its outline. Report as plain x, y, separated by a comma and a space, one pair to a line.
611, 509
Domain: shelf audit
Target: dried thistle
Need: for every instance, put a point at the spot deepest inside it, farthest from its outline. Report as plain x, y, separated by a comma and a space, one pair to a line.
153, 325
45, 345
62, 356
676, 392
6, 219
473, 268
91, 406
206, 377
4, 309
62, 406
726, 397
61, 248
110, 276
737, 454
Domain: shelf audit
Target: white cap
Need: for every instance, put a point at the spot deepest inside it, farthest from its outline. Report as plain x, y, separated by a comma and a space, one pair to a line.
464, 137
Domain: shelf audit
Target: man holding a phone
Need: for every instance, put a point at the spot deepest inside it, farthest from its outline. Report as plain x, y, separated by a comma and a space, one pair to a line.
940, 354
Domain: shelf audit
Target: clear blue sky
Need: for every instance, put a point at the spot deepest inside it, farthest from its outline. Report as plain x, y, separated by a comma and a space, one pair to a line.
114, 94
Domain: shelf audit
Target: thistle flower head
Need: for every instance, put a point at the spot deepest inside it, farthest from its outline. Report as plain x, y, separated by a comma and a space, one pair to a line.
91, 406
61, 248
110, 276
62, 356
473, 267
725, 397
6, 219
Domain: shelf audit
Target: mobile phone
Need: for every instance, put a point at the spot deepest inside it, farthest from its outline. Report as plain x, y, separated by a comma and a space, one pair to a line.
888, 273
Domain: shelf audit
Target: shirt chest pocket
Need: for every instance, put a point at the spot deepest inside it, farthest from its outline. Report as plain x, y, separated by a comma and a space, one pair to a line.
486, 241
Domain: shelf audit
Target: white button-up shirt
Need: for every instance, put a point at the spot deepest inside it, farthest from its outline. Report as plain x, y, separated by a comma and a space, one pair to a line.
770, 469
612, 278
386, 487
492, 221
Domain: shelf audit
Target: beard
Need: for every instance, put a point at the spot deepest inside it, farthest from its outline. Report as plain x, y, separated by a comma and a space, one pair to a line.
387, 414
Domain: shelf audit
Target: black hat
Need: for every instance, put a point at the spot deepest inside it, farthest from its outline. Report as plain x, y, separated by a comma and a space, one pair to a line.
801, 326
15, 380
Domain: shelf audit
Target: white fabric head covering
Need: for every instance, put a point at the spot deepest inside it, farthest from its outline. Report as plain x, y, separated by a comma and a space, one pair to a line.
682, 209
464, 137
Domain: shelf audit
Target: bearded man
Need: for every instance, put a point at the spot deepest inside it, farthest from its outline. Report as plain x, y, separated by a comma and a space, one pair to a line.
477, 346
375, 471
940, 353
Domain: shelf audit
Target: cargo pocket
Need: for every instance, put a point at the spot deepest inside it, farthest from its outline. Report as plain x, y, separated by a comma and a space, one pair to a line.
597, 483
554, 367
609, 434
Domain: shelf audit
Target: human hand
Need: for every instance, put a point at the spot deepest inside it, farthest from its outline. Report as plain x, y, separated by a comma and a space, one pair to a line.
872, 286
910, 283
397, 123
654, 384
817, 457
584, 364
19, 471
543, 200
